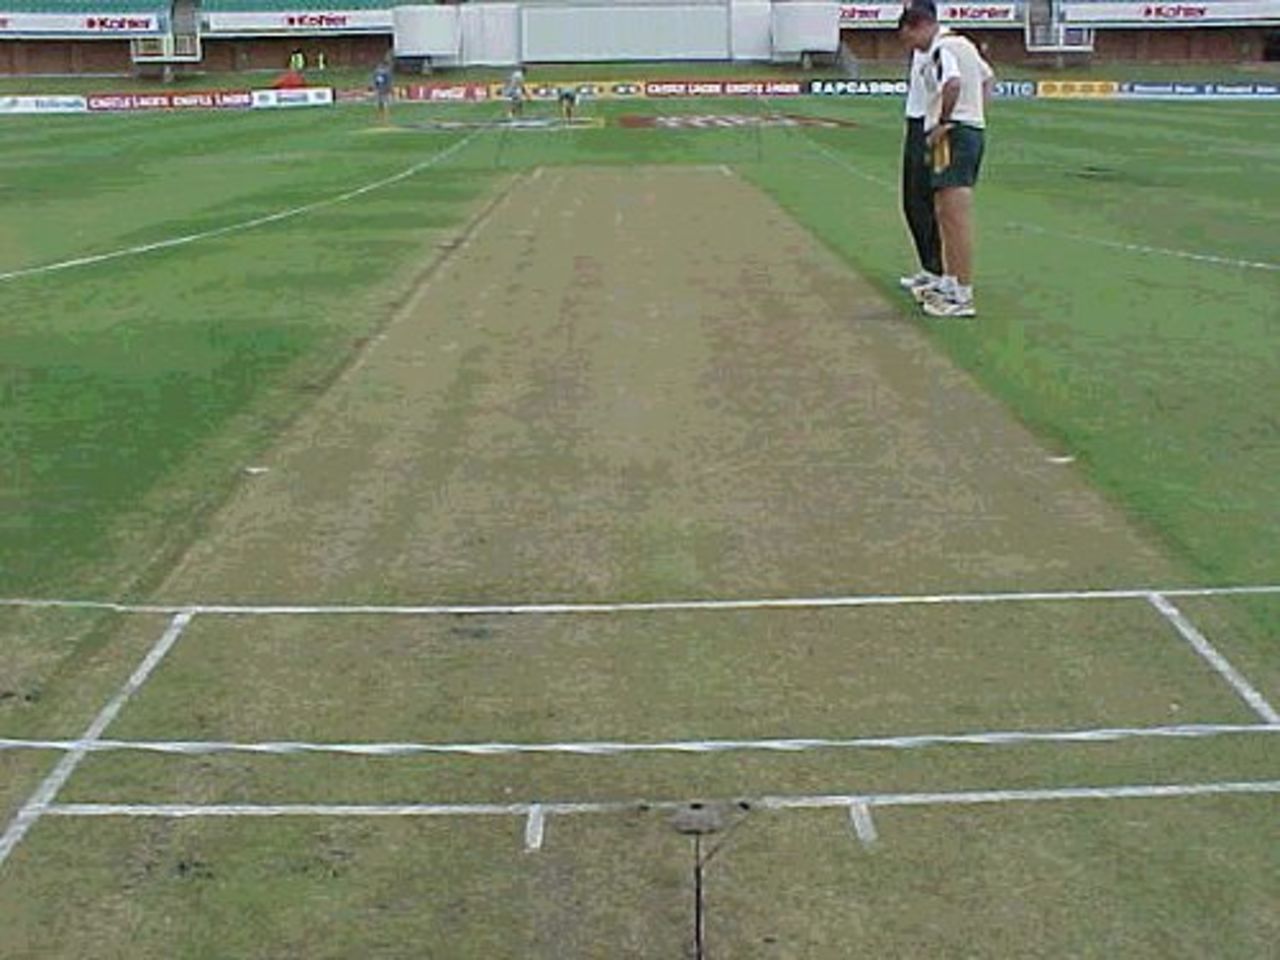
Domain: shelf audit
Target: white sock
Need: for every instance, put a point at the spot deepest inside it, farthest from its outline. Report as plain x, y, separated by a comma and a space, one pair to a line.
948, 285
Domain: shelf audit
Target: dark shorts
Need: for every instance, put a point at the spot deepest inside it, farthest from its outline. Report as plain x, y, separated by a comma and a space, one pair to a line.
959, 161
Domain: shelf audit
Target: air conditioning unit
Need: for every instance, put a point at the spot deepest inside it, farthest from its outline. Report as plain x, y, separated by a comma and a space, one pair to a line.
1058, 38
167, 48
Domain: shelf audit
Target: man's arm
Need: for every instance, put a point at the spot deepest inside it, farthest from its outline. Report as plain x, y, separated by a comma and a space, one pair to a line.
950, 94
948, 74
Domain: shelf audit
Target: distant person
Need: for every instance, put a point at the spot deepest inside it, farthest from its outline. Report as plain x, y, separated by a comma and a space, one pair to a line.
568, 97
297, 60
958, 84
917, 182
382, 89
322, 62
515, 94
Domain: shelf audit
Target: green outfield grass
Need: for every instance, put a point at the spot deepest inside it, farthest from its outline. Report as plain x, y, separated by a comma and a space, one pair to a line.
522, 429
1122, 357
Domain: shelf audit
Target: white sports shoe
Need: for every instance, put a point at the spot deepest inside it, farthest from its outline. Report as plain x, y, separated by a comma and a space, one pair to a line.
922, 279
934, 288
949, 306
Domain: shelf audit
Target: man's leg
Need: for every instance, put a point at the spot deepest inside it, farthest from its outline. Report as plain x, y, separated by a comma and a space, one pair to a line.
917, 200
954, 197
955, 218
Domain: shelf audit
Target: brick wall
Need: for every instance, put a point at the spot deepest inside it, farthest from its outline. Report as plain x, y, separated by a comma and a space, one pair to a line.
64, 56
112, 56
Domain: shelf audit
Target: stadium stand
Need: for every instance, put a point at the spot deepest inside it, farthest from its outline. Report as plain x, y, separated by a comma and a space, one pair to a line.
252, 6
114, 36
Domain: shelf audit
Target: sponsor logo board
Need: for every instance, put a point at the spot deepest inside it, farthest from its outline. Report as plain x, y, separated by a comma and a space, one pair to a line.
81, 25
39, 104
132, 102
858, 88
1170, 14
299, 97
885, 15
247, 23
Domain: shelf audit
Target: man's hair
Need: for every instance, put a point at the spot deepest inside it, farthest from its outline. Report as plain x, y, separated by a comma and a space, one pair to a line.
920, 11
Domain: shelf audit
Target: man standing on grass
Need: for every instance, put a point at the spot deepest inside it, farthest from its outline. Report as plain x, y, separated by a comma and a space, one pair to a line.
515, 94
957, 84
917, 182
382, 89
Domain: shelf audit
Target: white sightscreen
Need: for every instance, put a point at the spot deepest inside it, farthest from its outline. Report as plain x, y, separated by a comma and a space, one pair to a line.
427, 31
752, 29
800, 27
626, 33
490, 33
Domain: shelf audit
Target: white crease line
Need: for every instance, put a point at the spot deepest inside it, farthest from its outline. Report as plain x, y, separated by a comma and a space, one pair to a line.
38, 803
658, 606
863, 825
243, 225
1247, 691
799, 802
1151, 792
534, 828
615, 748
1143, 248
182, 811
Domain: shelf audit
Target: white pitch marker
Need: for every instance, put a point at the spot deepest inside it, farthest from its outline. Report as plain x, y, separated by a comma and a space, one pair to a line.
863, 825
535, 828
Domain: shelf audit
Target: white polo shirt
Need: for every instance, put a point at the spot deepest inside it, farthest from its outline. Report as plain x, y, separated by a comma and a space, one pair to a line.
917, 94
952, 56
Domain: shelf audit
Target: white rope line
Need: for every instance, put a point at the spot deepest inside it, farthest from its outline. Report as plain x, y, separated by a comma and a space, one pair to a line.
39, 802
656, 606
243, 225
1141, 248
1200, 643
1145, 249
840, 161
618, 748
799, 802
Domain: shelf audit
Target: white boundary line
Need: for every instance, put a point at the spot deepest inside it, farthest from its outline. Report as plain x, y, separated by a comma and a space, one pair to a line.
1140, 248
655, 606
1145, 249
39, 802
615, 748
1200, 643
798, 802
243, 225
